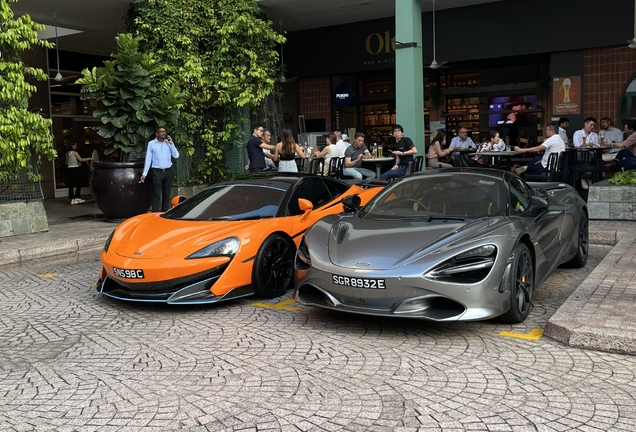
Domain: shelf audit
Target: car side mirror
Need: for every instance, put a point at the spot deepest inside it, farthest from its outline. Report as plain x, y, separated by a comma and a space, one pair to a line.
351, 203
306, 207
539, 204
178, 200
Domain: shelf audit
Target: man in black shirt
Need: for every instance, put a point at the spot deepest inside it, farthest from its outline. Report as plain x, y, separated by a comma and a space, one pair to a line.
255, 146
403, 154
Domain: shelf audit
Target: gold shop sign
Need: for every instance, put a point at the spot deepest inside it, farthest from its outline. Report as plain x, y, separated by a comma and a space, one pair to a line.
380, 44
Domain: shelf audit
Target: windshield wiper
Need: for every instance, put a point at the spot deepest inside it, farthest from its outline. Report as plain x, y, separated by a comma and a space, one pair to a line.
455, 218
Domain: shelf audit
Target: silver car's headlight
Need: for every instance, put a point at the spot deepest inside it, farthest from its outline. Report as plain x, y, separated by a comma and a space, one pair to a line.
470, 266
303, 259
227, 247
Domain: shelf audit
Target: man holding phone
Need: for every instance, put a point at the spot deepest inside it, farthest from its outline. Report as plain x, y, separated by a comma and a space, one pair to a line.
159, 156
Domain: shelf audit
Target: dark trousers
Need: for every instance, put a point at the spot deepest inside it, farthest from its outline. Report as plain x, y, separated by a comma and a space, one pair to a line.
161, 183
256, 170
74, 176
625, 160
535, 166
400, 172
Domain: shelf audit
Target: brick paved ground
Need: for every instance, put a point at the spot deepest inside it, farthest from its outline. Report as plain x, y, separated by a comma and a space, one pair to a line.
71, 360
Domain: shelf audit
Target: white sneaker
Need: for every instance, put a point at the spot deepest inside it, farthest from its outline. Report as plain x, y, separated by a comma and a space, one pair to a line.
521, 169
590, 182
74, 201
79, 200
584, 184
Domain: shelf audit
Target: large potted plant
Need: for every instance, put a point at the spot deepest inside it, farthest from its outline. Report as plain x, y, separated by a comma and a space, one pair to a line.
134, 104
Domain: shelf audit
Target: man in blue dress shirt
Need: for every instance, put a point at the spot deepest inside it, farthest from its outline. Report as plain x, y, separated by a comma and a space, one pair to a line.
159, 155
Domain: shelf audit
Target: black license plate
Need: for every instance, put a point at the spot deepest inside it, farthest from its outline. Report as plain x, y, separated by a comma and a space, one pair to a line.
355, 282
128, 274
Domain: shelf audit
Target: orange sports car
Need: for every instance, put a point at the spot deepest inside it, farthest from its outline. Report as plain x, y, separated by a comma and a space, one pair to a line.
231, 240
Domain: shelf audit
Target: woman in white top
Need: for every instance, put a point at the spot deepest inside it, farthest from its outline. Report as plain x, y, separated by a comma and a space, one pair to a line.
330, 151
286, 151
74, 161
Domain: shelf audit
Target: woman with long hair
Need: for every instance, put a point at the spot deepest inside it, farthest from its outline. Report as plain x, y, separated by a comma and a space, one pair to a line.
328, 152
74, 173
436, 151
492, 143
285, 152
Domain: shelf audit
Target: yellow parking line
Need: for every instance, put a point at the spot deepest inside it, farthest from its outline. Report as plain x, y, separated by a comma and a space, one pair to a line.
47, 275
534, 334
282, 305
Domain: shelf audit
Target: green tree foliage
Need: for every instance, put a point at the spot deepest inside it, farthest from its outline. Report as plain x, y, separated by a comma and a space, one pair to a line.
134, 101
222, 54
24, 136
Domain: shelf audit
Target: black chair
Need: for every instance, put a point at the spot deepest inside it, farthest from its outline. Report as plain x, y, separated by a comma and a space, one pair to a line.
300, 164
332, 170
314, 167
340, 174
554, 170
409, 168
419, 163
582, 162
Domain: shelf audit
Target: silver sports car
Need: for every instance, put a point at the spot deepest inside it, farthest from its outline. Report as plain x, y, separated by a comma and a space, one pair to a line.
445, 245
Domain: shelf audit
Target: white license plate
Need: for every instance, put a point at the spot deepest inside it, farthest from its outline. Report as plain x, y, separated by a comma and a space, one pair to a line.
128, 274
358, 282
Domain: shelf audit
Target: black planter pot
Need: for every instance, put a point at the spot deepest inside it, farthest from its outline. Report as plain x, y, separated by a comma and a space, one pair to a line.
117, 191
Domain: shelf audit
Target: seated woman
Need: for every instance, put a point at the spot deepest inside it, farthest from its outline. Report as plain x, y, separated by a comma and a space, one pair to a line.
492, 143
330, 151
286, 152
436, 152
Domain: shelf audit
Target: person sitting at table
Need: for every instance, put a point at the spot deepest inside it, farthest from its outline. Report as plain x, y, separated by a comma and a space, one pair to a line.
554, 144
610, 135
492, 143
353, 159
436, 152
404, 151
285, 152
626, 157
591, 138
462, 141
329, 152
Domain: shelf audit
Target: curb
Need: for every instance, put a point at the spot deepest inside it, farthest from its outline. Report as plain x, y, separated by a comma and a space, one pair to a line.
591, 317
17, 256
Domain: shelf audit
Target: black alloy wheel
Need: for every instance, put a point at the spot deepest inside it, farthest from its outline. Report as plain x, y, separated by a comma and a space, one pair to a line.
273, 267
522, 286
583, 243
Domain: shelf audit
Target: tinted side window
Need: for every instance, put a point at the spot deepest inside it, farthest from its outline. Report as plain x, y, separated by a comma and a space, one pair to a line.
335, 187
312, 189
520, 198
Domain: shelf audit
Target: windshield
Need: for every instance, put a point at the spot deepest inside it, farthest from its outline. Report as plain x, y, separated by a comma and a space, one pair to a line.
451, 196
230, 202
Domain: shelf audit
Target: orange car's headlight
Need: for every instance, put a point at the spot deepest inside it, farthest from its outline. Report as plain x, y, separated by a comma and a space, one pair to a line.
108, 240
227, 247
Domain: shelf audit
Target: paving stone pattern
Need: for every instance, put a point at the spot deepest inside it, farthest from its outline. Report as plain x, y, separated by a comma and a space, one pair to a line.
71, 360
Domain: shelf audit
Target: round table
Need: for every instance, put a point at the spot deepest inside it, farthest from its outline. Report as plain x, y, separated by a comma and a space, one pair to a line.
378, 163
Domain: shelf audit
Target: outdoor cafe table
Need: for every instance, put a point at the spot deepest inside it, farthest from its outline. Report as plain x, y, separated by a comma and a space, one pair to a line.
597, 167
378, 164
498, 155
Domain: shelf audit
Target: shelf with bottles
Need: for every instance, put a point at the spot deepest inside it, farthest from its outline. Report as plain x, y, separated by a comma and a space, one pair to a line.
378, 87
378, 115
460, 80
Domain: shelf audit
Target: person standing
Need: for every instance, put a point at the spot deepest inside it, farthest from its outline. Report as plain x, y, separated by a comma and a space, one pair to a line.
255, 146
285, 152
74, 173
159, 156
353, 159
564, 123
405, 149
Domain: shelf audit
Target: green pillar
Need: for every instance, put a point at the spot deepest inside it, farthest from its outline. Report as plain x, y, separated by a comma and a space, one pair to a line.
409, 74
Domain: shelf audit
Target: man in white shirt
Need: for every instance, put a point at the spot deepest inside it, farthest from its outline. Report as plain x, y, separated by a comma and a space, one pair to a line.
462, 141
591, 138
341, 145
554, 144
563, 125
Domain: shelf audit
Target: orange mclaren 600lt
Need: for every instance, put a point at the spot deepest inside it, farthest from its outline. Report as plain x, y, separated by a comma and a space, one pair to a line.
231, 240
